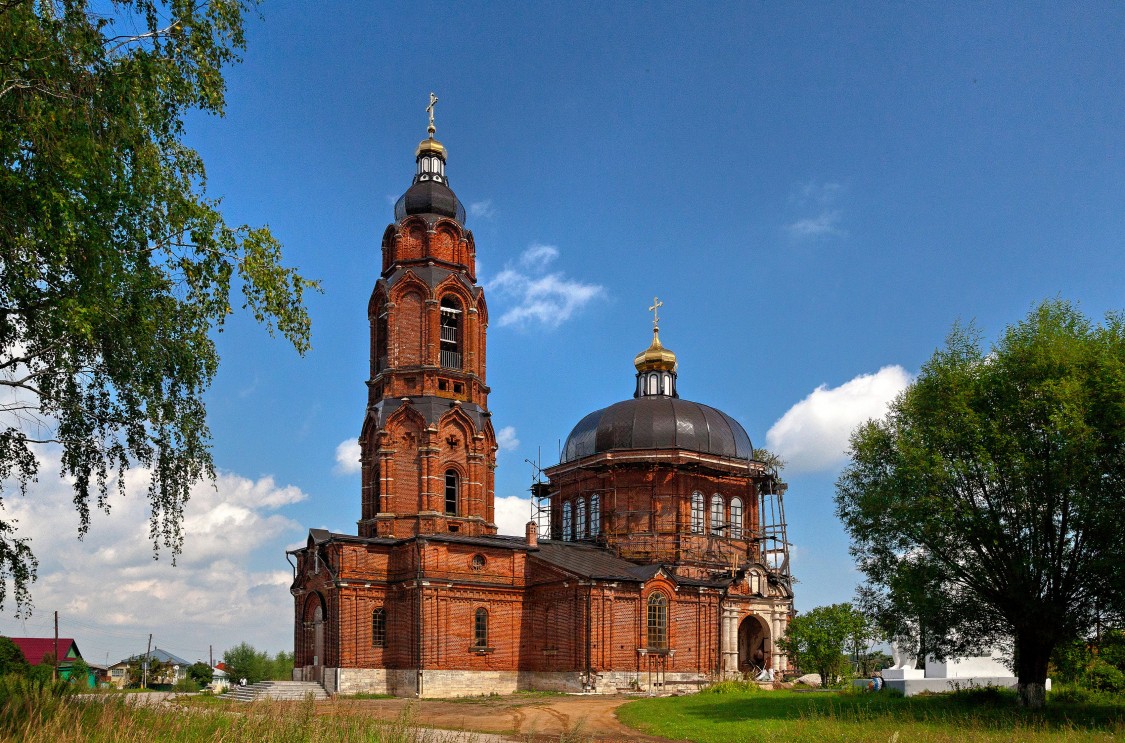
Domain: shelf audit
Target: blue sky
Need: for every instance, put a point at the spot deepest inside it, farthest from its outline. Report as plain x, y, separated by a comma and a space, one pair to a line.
817, 192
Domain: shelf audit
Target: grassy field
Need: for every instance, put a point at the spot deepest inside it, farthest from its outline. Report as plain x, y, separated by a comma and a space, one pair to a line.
38, 714
820, 717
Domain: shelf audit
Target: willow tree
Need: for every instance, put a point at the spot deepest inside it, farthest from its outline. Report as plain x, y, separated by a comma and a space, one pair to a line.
990, 500
115, 265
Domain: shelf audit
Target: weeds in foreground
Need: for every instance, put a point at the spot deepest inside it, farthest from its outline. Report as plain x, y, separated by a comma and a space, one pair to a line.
38, 713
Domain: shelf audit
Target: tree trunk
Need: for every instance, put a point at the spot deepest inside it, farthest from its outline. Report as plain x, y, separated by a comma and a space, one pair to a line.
1032, 654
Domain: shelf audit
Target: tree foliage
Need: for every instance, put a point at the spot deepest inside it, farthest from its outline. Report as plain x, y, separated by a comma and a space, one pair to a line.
816, 640
115, 264
200, 673
987, 506
244, 661
12, 660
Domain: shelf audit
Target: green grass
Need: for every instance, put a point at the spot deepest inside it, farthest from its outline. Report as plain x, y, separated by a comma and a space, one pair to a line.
976, 715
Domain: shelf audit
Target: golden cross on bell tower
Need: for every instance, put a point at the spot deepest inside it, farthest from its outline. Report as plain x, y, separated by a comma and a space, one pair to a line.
655, 309
430, 108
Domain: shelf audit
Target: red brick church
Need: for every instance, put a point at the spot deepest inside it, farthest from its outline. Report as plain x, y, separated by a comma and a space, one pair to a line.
650, 565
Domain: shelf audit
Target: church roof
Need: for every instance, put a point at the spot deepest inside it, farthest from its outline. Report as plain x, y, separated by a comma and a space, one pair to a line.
598, 563
658, 422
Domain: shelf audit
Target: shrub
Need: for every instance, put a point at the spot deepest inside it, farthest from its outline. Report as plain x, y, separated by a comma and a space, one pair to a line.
186, 685
1102, 676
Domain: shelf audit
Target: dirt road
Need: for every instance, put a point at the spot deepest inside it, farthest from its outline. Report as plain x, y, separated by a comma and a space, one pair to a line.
588, 718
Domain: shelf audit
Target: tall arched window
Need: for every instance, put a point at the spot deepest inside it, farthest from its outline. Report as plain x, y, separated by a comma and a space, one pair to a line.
580, 519
718, 518
595, 515
657, 621
735, 518
451, 332
380, 338
697, 512
566, 522
452, 490
480, 628
379, 628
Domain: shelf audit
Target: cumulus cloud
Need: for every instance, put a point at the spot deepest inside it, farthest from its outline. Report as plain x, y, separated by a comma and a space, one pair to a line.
544, 298
347, 457
506, 438
813, 434
482, 209
817, 201
110, 592
512, 514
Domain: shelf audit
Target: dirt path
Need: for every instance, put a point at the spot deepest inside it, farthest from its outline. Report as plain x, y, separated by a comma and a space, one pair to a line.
591, 718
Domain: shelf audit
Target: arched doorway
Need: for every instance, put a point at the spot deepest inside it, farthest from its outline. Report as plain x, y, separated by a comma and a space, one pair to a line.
312, 653
754, 647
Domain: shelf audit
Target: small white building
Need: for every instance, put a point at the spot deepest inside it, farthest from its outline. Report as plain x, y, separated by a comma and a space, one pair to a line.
220, 679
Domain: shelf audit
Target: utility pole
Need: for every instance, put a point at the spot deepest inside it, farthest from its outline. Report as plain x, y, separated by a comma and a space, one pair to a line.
148, 653
211, 655
55, 674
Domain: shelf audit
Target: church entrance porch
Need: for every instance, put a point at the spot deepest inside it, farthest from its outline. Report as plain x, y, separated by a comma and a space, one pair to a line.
754, 649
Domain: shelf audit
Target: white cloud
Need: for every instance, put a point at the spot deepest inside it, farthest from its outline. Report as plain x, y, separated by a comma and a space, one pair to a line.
813, 434
818, 200
825, 223
110, 592
347, 457
545, 298
506, 438
482, 209
512, 514
538, 256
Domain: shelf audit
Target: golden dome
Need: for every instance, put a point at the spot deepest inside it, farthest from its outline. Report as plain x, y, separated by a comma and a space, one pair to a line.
656, 357
430, 145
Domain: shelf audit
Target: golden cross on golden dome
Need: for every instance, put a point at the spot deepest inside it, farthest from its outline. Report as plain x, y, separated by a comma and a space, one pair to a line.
430, 109
655, 309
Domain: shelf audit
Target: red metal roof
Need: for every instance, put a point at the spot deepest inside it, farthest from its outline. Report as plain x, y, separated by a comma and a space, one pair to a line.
35, 649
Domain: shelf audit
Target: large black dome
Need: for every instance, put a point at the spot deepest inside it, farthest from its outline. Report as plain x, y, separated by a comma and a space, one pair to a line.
429, 197
658, 422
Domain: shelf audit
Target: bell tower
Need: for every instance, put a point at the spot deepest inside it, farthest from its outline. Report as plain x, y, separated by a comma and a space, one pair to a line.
427, 445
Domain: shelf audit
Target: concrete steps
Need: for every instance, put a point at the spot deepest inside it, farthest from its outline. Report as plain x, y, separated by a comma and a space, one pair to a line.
282, 690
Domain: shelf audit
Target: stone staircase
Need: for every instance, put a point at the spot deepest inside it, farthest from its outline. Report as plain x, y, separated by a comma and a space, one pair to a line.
283, 690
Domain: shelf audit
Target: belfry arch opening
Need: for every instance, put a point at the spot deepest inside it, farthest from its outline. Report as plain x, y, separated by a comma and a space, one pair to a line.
452, 332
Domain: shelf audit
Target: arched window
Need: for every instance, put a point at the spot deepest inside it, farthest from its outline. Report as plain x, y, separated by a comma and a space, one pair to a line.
451, 328
480, 628
379, 628
657, 621
595, 515
380, 340
697, 512
735, 518
452, 490
718, 518
580, 519
566, 522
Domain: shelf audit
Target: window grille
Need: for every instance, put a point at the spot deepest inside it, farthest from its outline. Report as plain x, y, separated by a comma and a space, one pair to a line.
379, 628
480, 628
595, 515
580, 519
697, 512
657, 621
566, 522
736, 518
451, 492
717, 515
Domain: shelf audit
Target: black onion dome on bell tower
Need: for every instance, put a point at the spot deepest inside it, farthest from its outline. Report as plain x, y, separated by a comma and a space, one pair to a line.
430, 192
